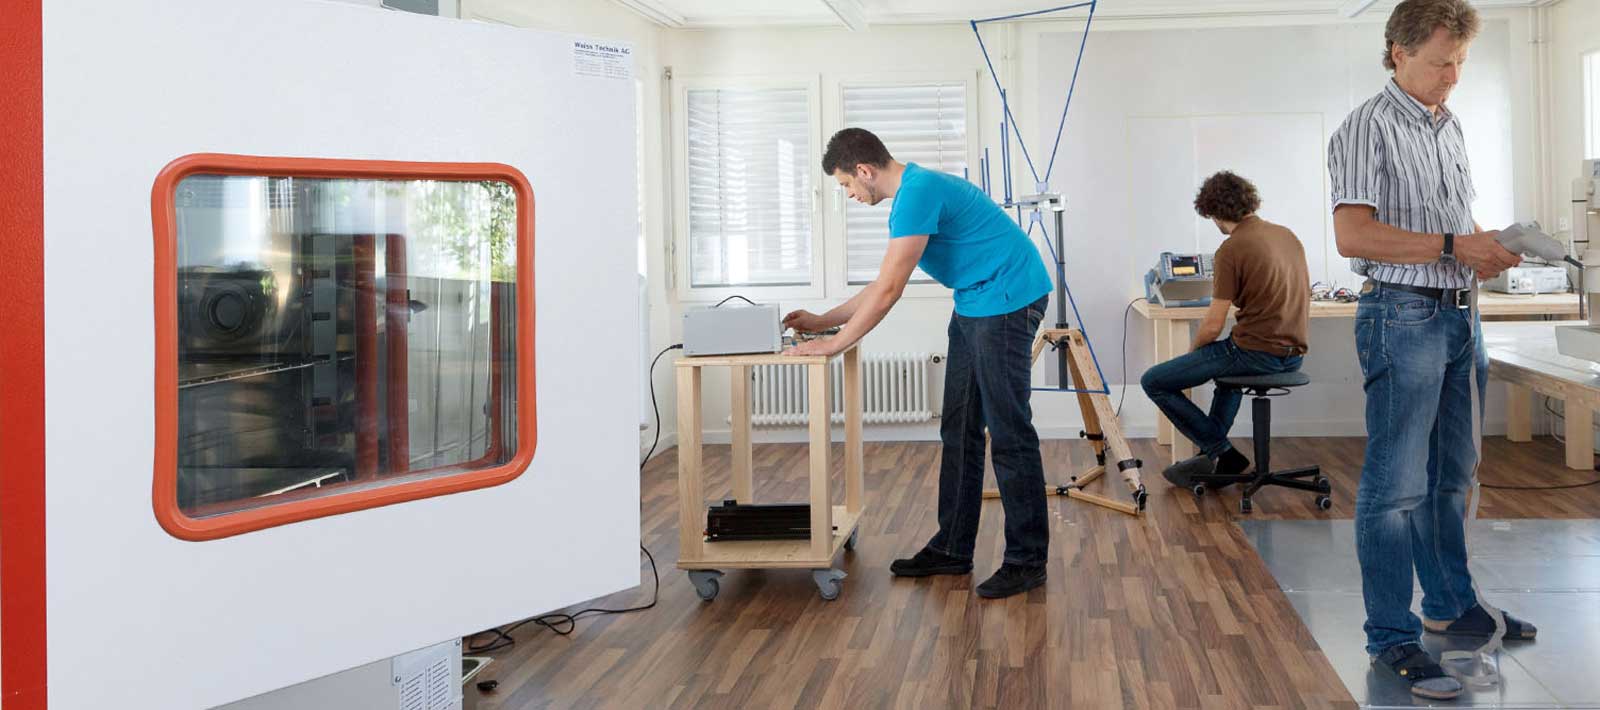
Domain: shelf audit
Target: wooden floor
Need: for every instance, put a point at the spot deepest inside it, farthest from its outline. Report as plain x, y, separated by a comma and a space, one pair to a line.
1173, 610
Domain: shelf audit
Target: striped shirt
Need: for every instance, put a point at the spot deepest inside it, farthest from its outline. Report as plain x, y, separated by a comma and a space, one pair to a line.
1392, 154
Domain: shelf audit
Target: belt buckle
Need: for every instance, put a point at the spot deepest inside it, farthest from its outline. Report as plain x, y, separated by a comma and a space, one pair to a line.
1462, 298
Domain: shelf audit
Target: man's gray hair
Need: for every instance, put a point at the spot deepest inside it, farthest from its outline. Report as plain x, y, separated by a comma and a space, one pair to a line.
1414, 21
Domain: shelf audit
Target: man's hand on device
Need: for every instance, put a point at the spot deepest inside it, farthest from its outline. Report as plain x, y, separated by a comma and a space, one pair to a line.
804, 322
1486, 257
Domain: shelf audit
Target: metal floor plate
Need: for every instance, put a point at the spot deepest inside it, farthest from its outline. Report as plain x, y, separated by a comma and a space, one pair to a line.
1546, 571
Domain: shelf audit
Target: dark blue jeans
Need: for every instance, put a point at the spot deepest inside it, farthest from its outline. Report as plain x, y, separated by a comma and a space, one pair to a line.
987, 382
1166, 382
1419, 359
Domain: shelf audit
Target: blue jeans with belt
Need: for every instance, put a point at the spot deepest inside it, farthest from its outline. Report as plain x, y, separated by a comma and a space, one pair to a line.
1419, 358
988, 382
1166, 382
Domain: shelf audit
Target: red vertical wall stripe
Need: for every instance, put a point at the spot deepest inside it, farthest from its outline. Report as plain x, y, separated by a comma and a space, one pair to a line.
22, 563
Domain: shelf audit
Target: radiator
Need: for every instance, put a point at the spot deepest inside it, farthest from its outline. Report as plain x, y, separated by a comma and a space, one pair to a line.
894, 391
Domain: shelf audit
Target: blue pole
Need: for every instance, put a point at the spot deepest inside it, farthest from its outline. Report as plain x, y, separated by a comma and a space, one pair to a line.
1005, 161
984, 164
1005, 130
1003, 105
1082, 44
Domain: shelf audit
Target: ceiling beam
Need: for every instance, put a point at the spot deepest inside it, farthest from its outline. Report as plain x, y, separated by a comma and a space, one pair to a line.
842, 11
655, 11
849, 12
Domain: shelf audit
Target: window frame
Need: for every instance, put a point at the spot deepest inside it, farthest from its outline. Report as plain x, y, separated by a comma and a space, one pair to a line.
687, 291
837, 239
164, 230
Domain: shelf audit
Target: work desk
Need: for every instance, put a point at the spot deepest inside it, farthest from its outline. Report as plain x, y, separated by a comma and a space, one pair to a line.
1524, 356
1174, 334
1489, 304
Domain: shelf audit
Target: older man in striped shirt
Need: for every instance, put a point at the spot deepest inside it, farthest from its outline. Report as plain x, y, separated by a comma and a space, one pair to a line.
1402, 208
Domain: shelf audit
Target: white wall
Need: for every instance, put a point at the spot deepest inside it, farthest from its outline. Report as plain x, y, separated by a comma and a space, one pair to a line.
1574, 29
1156, 111
1296, 77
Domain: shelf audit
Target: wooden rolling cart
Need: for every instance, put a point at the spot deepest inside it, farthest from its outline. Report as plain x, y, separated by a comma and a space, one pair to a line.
833, 528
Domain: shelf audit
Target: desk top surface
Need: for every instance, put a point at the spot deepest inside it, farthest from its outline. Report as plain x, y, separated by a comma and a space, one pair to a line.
1489, 304
1532, 347
761, 359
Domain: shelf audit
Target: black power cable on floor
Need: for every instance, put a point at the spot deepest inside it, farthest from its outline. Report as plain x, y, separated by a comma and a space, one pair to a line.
1541, 488
653, 406
562, 623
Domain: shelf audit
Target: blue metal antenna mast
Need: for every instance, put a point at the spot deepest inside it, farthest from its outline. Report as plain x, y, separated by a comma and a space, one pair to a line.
1055, 203
1106, 435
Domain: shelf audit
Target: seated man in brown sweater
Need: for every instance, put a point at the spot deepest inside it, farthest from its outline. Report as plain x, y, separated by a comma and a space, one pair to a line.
1261, 269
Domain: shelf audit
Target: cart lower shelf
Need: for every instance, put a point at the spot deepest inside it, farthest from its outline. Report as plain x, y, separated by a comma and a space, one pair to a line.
775, 554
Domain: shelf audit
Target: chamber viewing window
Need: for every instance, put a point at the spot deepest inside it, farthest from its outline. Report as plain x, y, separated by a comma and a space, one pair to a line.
337, 343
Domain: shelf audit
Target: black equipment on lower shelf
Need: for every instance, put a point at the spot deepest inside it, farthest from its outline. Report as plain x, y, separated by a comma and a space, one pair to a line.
733, 521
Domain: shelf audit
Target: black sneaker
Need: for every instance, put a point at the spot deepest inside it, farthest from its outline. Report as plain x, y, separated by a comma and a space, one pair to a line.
1414, 666
1179, 474
927, 563
1011, 579
1477, 623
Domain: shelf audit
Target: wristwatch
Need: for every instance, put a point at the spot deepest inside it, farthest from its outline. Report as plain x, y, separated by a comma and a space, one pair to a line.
1449, 251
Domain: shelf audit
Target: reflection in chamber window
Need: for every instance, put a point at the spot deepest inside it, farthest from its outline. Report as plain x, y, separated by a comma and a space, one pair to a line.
338, 335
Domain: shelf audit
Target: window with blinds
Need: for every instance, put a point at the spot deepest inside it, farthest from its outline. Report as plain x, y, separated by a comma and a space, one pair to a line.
924, 124
750, 168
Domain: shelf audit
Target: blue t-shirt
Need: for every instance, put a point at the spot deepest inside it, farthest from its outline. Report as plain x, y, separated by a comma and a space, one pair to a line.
973, 247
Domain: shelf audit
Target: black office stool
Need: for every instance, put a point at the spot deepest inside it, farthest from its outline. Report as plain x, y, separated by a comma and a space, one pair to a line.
1263, 388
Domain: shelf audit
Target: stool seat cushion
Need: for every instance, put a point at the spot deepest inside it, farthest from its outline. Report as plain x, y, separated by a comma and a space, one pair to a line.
1282, 379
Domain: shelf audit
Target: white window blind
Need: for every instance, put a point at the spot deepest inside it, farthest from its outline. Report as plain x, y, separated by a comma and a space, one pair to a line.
750, 192
1591, 104
924, 124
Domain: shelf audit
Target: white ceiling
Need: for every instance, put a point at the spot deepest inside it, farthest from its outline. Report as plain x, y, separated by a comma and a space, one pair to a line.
738, 13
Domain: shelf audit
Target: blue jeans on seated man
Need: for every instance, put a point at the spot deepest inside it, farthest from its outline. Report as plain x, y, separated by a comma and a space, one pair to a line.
1166, 382
1418, 358
988, 382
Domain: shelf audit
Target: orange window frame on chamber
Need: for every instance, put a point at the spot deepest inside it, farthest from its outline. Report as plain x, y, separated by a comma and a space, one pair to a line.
308, 504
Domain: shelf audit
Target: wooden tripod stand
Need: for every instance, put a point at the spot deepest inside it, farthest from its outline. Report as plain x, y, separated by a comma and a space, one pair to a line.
1101, 426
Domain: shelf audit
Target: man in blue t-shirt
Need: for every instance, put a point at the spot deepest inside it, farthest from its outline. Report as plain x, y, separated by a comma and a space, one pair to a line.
961, 238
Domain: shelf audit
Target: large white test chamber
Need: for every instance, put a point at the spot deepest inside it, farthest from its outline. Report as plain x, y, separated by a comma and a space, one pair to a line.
324, 296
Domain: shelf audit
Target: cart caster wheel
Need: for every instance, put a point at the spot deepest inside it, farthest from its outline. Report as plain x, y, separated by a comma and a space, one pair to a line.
850, 542
829, 581
1244, 505
705, 583
1324, 502
1140, 496
1199, 490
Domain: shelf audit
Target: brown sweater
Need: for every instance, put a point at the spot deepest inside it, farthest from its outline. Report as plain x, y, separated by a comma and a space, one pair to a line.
1261, 268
